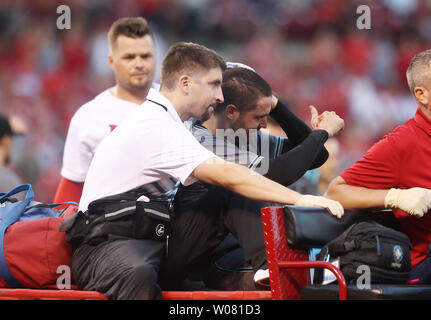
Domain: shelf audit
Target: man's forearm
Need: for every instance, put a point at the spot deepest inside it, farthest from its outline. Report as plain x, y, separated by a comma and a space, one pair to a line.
249, 184
296, 129
259, 188
355, 197
245, 182
291, 165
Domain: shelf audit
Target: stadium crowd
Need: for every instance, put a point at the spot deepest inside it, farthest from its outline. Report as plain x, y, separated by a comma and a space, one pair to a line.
310, 52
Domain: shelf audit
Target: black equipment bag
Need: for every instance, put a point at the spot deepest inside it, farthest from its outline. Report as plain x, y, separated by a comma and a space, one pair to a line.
120, 216
384, 250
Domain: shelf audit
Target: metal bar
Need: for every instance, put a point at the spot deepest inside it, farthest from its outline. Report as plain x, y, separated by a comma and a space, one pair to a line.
319, 264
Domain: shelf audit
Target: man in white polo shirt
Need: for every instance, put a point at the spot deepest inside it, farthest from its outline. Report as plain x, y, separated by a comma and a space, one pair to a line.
132, 58
146, 154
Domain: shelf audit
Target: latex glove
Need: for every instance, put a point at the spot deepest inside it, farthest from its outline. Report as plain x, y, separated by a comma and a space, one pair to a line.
334, 207
231, 65
415, 201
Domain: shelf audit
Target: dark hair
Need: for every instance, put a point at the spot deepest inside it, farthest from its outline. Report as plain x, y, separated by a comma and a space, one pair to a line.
187, 57
5, 128
242, 87
132, 27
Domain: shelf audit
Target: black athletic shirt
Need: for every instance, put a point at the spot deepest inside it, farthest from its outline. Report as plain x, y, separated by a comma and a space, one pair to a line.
279, 159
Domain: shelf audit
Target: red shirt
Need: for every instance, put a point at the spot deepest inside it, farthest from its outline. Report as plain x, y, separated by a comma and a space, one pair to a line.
402, 159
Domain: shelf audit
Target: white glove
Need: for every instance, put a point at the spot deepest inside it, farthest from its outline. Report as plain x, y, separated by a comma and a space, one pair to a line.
415, 201
231, 65
334, 207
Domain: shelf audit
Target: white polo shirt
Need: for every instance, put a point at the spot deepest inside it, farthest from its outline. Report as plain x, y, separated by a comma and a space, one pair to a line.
151, 147
90, 124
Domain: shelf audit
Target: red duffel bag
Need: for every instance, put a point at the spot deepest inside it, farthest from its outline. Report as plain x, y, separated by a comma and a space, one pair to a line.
36, 252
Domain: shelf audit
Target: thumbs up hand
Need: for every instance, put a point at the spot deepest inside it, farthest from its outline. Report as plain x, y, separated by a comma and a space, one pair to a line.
314, 117
328, 121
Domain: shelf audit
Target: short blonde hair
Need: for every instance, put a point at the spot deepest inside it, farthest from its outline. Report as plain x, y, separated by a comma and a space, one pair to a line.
132, 27
187, 57
418, 73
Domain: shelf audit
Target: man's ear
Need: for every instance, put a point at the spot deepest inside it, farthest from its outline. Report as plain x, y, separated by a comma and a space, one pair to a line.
232, 112
4, 140
185, 83
111, 61
422, 95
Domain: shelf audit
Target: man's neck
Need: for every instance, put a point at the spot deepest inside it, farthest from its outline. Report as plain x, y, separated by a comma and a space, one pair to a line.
176, 100
137, 96
426, 110
214, 123
2, 158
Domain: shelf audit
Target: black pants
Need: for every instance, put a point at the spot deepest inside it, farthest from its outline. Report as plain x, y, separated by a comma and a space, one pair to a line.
122, 269
137, 269
200, 226
421, 274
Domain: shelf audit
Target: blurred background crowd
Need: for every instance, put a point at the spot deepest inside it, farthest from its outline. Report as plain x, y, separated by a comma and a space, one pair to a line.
310, 51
